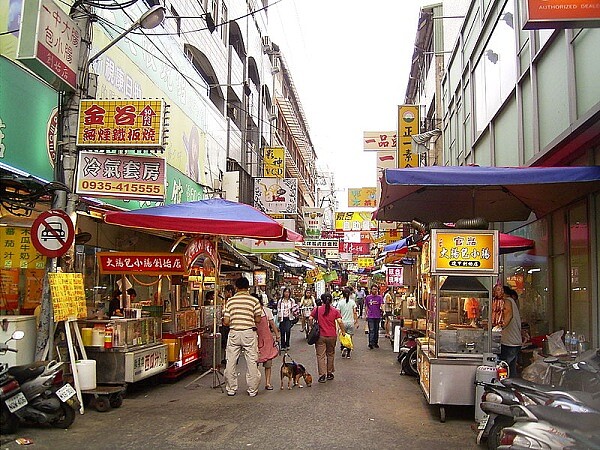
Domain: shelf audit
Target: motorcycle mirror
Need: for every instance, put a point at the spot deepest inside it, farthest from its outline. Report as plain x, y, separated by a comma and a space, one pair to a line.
18, 335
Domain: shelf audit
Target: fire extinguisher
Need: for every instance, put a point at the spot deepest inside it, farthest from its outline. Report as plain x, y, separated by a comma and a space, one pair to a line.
108, 336
502, 370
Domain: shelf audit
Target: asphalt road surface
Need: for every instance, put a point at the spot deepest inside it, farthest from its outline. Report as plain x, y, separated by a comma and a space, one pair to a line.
368, 405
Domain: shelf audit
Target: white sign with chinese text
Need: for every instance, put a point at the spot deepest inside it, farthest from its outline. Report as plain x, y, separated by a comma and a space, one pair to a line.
276, 195
379, 140
49, 43
125, 176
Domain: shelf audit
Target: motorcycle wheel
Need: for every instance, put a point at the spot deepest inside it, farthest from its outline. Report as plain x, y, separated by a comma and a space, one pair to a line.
409, 363
8, 421
66, 418
493, 439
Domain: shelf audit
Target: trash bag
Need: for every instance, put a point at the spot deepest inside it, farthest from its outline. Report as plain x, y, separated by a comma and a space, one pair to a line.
556, 346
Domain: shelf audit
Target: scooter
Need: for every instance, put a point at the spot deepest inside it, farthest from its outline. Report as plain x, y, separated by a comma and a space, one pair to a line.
498, 398
548, 427
407, 355
36, 393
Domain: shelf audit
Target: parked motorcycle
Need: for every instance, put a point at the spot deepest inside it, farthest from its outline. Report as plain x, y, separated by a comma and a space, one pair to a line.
549, 427
499, 398
407, 355
35, 393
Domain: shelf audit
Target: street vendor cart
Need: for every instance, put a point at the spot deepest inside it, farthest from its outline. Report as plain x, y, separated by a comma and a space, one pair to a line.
457, 274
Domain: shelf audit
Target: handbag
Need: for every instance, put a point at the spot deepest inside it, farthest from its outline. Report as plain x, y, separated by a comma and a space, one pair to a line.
346, 341
315, 331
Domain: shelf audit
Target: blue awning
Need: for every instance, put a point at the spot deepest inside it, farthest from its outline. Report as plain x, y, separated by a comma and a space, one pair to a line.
499, 194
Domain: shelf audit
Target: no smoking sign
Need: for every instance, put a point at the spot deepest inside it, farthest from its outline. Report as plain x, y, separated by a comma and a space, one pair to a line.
52, 233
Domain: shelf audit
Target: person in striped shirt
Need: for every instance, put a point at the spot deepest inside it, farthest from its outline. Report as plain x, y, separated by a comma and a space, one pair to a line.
242, 314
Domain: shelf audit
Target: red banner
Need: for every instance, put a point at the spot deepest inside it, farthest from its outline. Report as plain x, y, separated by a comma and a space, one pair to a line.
355, 248
143, 263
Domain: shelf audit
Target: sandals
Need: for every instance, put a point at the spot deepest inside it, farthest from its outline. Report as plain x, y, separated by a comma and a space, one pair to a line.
269, 388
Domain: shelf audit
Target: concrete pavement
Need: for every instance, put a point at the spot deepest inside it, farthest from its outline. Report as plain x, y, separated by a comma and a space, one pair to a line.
368, 405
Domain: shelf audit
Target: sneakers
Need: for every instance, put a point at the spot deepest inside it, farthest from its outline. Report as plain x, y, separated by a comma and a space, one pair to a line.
322, 379
330, 376
252, 394
231, 393
344, 352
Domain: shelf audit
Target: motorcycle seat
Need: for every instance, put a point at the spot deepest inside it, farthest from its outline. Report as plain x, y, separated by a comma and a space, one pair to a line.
26, 372
566, 419
521, 384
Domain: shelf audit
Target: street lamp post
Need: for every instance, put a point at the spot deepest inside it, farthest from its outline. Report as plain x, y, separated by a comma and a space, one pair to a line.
66, 158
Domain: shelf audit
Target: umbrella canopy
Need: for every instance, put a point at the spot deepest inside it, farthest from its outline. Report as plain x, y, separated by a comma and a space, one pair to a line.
499, 194
213, 216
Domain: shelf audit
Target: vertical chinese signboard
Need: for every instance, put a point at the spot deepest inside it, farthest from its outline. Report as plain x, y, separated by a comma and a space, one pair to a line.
49, 43
313, 222
464, 251
68, 295
408, 124
394, 276
274, 162
121, 123
111, 175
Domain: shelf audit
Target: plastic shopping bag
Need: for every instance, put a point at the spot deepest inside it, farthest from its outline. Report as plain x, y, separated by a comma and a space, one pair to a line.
346, 340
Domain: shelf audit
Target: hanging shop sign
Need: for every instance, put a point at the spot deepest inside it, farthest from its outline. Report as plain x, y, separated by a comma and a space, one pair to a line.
140, 263
394, 276
49, 43
124, 176
274, 162
355, 248
260, 277
365, 262
121, 123
354, 221
313, 222
379, 140
332, 254
464, 251
408, 124
52, 233
560, 14
321, 243
198, 247
68, 296
276, 195
386, 159
364, 197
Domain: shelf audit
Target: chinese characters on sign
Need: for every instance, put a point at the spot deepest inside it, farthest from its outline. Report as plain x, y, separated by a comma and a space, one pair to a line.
313, 222
199, 247
355, 248
321, 243
354, 221
365, 262
408, 124
465, 250
276, 195
143, 263
379, 140
274, 162
393, 276
18, 251
362, 197
50, 37
131, 177
121, 123
68, 295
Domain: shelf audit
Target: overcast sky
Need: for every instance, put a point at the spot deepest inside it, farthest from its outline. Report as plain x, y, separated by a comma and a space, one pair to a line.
350, 62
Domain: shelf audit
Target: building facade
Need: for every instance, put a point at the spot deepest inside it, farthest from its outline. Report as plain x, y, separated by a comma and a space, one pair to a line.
517, 97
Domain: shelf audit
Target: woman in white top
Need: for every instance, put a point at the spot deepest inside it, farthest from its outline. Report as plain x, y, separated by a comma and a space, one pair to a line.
286, 312
347, 307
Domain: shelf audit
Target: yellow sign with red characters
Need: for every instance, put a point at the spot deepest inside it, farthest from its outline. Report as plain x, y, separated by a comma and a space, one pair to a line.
121, 123
464, 251
274, 162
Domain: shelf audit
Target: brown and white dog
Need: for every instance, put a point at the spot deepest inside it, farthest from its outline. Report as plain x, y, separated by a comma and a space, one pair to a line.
294, 371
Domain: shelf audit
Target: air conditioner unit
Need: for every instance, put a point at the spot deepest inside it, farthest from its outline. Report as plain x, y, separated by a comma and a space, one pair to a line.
266, 41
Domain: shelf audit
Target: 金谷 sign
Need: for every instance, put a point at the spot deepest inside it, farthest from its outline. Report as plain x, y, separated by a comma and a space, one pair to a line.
121, 123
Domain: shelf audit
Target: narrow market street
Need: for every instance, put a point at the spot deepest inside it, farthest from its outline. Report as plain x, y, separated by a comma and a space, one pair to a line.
368, 405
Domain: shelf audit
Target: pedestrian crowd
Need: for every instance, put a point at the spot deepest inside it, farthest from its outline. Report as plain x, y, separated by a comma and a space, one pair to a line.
260, 328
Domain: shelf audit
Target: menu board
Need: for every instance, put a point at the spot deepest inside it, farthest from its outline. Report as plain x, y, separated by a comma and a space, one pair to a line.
68, 295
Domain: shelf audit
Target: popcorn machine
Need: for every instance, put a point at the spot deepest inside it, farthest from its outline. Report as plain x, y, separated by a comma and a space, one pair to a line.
458, 269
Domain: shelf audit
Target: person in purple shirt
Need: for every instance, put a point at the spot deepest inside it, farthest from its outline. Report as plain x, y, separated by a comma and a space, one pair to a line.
374, 306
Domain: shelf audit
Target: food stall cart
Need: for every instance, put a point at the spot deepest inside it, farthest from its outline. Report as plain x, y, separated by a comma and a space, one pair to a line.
457, 273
